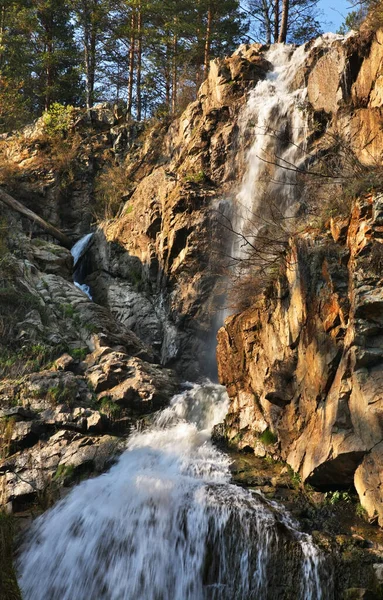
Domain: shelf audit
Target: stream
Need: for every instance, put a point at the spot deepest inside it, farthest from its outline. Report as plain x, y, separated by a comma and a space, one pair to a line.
165, 523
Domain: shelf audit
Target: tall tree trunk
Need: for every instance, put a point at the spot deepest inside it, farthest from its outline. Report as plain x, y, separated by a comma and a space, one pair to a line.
87, 26
168, 76
276, 20
3, 13
139, 61
92, 61
284, 22
174, 75
266, 15
208, 40
131, 62
49, 48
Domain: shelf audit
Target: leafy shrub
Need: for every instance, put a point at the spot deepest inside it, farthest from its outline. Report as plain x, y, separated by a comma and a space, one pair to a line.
58, 119
268, 438
197, 177
361, 512
112, 188
79, 353
61, 394
336, 497
110, 408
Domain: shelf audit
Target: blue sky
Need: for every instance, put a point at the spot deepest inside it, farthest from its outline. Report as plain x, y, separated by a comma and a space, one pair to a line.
333, 13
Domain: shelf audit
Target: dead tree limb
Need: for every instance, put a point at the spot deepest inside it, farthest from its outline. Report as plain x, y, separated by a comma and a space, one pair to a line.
23, 210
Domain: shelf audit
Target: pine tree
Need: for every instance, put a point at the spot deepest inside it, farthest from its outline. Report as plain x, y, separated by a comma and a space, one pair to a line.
293, 21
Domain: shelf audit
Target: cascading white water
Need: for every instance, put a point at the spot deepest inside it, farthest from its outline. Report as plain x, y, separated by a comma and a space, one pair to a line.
165, 523
77, 251
276, 114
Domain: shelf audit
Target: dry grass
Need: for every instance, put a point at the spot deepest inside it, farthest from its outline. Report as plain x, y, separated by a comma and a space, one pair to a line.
112, 188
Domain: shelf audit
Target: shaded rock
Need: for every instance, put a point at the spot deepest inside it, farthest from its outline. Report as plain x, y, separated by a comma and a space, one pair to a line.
40, 470
18, 413
145, 388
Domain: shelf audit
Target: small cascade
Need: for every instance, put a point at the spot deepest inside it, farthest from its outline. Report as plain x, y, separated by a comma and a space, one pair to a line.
166, 523
78, 251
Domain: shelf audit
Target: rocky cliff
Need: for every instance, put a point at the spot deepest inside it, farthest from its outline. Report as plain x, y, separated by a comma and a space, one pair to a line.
303, 365
76, 372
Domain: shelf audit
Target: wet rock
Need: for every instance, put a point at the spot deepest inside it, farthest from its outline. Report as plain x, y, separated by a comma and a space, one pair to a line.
41, 470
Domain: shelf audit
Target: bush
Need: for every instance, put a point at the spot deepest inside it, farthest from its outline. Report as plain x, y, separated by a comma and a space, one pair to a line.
109, 408
112, 188
58, 119
336, 497
197, 177
268, 438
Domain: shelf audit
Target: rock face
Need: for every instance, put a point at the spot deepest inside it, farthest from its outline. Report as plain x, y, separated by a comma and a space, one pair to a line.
63, 419
153, 266
304, 367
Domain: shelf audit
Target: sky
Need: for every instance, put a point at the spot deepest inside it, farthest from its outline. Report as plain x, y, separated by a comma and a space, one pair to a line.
333, 13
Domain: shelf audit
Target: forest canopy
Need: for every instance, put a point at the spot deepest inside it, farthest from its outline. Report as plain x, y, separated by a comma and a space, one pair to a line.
149, 55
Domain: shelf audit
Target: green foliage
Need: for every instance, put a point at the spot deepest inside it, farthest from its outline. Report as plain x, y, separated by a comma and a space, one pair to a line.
61, 394
268, 438
79, 353
9, 589
64, 473
296, 479
110, 408
361, 512
336, 497
198, 177
353, 21
91, 328
58, 119
68, 310
29, 358
14, 107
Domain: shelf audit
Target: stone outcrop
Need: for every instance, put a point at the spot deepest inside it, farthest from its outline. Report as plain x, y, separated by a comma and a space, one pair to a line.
304, 366
74, 379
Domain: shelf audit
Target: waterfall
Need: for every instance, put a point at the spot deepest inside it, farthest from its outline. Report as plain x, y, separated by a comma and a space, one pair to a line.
78, 251
276, 116
165, 523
